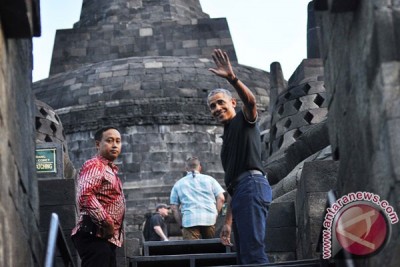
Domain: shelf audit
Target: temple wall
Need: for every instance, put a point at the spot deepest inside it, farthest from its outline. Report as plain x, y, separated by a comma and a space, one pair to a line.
20, 242
359, 46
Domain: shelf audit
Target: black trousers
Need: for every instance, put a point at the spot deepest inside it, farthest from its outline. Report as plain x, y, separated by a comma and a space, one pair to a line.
94, 251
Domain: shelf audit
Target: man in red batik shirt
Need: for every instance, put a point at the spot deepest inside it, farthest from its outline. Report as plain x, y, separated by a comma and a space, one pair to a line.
101, 204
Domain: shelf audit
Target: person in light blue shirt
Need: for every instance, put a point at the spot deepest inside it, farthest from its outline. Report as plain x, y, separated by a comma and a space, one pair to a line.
196, 200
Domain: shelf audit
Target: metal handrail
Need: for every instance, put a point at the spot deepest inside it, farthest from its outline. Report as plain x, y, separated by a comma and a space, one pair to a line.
55, 240
331, 197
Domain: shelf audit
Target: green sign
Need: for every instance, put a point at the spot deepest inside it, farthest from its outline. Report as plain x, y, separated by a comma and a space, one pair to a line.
46, 160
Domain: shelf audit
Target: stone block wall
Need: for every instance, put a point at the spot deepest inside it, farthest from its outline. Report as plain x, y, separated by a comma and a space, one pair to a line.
281, 232
362, 66
115, 29
96, 12
159, 104
197, 38
153, 159
76, 47
20, 242
130, 88
58, 196
317, 178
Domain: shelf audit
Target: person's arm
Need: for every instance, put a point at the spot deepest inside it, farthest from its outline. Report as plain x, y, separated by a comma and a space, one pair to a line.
220, 201
226, 230
177, 214
224, 70
160, 232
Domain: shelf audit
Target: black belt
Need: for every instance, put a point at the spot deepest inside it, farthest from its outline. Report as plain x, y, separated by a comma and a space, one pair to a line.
231, 188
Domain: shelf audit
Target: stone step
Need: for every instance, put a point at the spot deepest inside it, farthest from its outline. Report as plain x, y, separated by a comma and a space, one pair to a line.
215, 259
281, 246
177, 247
295, 263
187, 260
281, 225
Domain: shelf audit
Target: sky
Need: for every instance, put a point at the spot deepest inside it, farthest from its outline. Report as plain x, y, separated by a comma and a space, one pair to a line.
263, 31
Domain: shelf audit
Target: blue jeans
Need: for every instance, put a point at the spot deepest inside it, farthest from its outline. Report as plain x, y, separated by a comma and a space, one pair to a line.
249, 204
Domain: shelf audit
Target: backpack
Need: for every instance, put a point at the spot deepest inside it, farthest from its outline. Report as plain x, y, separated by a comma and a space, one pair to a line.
146, 227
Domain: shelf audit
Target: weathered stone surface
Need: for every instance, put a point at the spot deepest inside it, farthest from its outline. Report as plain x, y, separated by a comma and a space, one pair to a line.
318, 177
57, 192
282, 239
20, 241
20, 19
361, 74
140, 42
58, 196
281, 256
321, 176
301, 105
66, 214
283, 162
281, 215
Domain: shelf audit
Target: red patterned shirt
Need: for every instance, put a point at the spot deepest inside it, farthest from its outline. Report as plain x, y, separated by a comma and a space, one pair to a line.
100, 195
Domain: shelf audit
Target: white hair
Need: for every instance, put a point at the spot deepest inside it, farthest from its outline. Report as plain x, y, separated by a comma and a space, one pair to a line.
217, 91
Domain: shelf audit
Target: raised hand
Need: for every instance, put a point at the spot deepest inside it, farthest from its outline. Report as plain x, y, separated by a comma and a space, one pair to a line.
223, 65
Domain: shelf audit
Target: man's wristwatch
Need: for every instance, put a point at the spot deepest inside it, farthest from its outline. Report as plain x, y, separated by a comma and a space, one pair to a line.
233, 81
